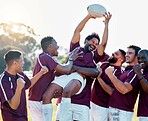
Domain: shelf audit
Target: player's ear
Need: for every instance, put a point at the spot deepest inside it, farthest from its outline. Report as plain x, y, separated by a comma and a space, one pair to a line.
14, 62
50, 46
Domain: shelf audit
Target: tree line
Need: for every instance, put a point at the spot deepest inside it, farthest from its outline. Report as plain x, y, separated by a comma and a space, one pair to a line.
21, 37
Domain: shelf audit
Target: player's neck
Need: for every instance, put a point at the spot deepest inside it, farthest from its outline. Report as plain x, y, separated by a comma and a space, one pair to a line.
47, 53
11, 71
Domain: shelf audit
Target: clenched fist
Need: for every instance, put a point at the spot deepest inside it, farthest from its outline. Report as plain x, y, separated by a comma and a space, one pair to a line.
20, 83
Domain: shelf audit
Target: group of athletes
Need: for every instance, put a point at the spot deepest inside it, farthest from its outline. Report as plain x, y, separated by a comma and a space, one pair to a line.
85, 90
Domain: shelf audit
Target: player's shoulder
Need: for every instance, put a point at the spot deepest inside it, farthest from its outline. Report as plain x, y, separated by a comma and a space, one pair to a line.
45, 57
4, 77
21, 74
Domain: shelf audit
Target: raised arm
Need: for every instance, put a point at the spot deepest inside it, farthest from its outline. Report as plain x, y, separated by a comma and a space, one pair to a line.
102, 46
79, 28
15, 101
34, 79
144, 84
143, 81
123, 88
105, 86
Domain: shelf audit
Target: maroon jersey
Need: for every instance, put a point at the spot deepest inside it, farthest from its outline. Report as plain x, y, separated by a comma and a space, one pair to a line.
143, 99
84, 97
36, 92
8, 84
86, 61
126, 101
87, 58
99, 95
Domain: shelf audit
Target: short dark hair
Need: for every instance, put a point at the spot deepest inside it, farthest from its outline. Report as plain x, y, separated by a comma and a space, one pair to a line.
144, 51
136, 48
11, 55
123, 53
89, 37
46, 41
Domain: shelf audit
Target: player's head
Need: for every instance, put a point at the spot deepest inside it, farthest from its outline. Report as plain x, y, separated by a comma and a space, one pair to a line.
15, 60
117, 57
49, 45
91, 42
131, 54
143, 58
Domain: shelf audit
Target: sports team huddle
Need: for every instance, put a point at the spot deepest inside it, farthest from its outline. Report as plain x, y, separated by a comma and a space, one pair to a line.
90, 86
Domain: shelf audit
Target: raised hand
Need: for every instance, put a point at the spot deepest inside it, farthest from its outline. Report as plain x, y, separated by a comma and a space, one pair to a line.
91, 16
75, 54
107, 17
137, 68
109, 71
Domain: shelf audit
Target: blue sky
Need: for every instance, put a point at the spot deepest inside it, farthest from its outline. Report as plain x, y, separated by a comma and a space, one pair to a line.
57, 18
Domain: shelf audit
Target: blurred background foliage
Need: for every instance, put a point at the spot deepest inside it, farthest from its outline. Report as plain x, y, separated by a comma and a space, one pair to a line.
21, 37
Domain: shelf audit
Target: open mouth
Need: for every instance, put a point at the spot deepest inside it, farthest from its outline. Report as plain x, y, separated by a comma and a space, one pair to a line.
127, 58
91, 47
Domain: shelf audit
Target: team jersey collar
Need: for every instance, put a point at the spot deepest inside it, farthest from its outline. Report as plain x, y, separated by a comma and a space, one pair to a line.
10, 75
128, 68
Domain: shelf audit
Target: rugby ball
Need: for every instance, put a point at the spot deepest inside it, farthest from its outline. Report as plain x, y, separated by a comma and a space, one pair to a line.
96, 10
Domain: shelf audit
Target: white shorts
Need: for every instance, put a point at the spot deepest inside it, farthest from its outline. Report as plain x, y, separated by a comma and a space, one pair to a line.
77, 112
63, 80
98, 113
119, 115
141, 118
35, 108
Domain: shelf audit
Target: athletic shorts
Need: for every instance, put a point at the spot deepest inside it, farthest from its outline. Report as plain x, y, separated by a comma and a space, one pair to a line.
77, 112
98, 113
63, 80
35, 108
142, 118
119, 115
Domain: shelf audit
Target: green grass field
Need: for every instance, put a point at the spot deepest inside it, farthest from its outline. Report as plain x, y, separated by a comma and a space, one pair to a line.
54, 110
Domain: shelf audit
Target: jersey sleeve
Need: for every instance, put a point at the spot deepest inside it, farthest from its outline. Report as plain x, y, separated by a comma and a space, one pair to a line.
102, 58
6, 93
49, 62
132, 79
73, 46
